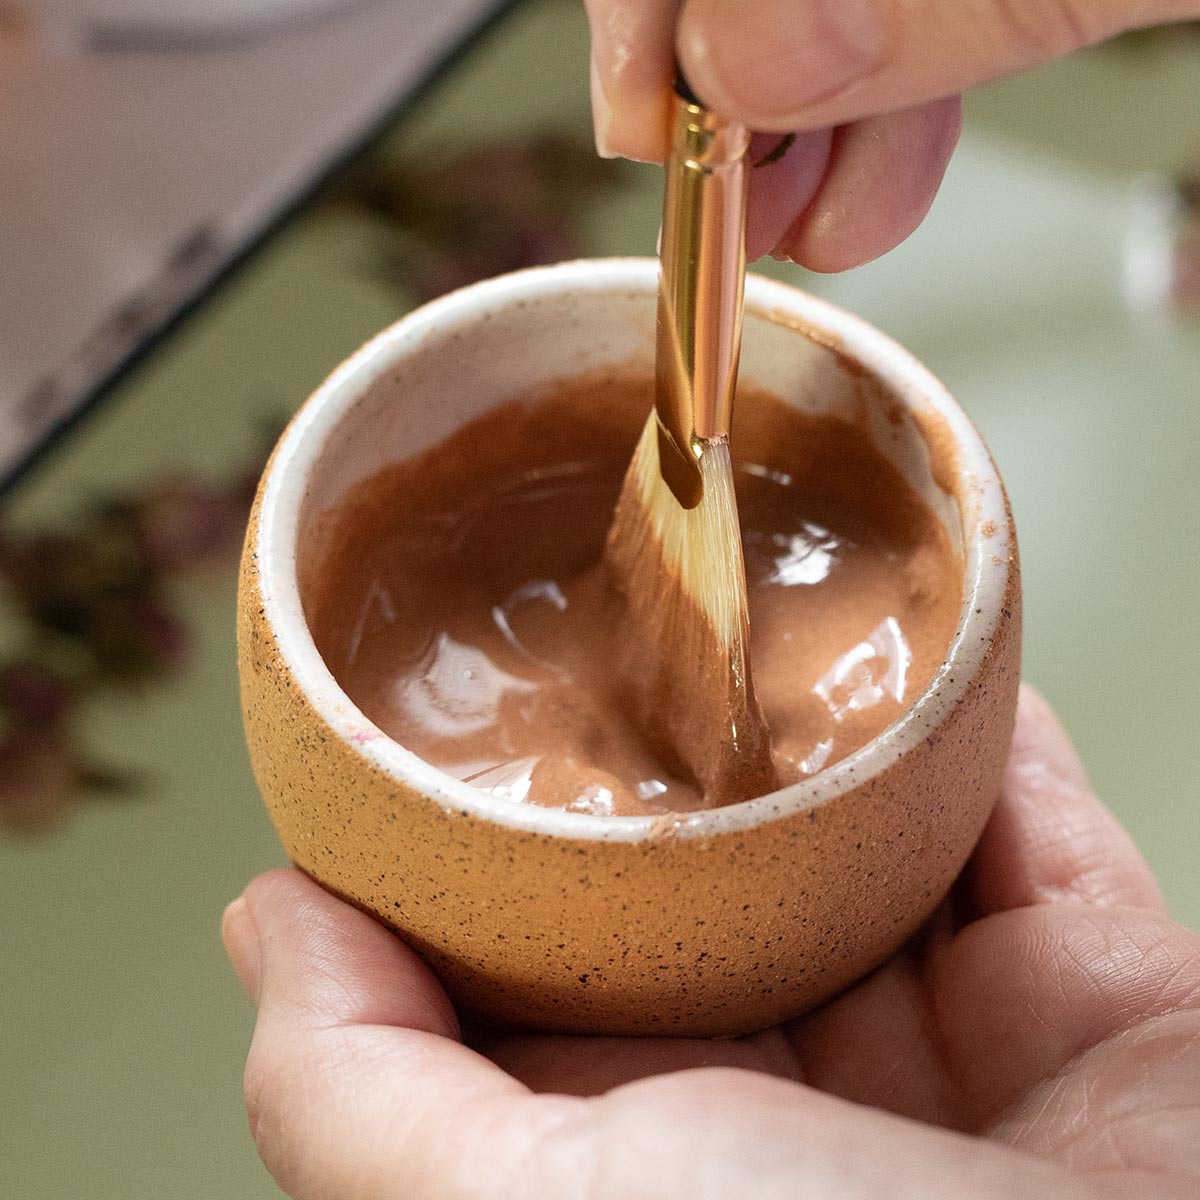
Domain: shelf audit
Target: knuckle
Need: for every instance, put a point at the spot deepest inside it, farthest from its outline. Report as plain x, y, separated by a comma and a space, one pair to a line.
256, 1085
271, 1096
261, 1086
552, 1151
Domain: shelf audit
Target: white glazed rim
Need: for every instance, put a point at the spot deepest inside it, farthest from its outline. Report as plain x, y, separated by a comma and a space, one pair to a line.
985, 569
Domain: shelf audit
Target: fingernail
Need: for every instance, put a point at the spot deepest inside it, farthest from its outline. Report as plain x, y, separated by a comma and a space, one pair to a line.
814, 50
601, 114
240, 935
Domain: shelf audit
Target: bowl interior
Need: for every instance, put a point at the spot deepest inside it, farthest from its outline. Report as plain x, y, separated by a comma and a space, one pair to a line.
448, 374
454, 359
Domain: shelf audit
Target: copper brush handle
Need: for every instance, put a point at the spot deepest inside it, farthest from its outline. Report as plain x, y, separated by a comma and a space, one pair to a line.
702, 278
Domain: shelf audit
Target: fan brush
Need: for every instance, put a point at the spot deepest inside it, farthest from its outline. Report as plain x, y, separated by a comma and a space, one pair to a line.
675, 552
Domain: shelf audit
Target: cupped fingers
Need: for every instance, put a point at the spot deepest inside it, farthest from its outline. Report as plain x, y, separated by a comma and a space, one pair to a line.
1050, 839
882, 176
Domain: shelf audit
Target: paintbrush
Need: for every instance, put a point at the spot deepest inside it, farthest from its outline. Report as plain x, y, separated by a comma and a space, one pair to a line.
675, 552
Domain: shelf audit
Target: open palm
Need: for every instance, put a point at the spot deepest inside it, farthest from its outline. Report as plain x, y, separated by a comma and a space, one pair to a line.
1040, 1038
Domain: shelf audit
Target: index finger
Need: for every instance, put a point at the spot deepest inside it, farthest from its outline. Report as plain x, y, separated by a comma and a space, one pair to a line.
803, 64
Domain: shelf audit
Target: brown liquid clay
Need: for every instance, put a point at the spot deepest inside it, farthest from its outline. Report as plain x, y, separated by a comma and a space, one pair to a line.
462, 601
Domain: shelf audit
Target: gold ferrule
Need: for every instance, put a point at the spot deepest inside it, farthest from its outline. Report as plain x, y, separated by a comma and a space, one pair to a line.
700, 292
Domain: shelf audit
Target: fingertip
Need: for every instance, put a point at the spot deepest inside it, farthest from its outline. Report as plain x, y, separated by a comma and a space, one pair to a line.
786, 173
280, 885
636, 127
632, 67
1039, 737
883, 175
1050, 840
601, 113
240, 937
1043, 756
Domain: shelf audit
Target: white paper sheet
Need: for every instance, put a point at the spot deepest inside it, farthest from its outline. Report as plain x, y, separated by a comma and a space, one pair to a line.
129, 178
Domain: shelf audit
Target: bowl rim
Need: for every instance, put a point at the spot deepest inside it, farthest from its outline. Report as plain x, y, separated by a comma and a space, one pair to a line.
986, 569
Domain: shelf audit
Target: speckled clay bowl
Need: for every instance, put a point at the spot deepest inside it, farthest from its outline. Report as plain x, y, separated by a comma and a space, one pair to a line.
718, 923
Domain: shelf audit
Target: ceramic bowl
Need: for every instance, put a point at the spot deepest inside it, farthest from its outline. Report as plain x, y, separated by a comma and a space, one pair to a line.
714, 923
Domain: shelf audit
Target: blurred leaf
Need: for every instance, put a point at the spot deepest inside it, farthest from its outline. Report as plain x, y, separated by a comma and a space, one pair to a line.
115, 782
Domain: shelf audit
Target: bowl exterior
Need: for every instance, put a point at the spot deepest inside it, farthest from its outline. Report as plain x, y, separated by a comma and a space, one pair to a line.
682, 935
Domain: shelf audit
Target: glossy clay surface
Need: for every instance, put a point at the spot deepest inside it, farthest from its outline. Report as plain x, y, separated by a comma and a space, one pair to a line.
466, 608
716, 922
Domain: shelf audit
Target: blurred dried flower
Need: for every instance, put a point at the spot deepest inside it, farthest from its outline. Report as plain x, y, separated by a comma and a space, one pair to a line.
33, 695
96, 598
184, 522
36, 778
96, 594
490, 209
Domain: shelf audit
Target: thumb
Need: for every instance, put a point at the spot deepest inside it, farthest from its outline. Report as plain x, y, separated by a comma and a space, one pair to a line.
356, 1081
786, 65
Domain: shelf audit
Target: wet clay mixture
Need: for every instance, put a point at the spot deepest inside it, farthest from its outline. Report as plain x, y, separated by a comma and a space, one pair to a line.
462, 602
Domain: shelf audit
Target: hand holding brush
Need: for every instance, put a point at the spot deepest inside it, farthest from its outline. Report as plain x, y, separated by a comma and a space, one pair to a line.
675, 549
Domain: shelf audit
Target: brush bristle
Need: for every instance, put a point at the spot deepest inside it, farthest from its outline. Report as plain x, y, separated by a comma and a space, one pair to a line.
702, 545
684, 654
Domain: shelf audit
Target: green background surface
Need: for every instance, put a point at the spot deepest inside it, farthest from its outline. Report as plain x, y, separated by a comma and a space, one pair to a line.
122, 1031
